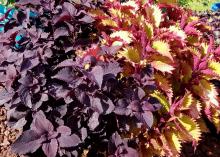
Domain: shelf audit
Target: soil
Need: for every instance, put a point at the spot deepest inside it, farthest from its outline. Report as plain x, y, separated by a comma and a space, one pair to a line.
7, 136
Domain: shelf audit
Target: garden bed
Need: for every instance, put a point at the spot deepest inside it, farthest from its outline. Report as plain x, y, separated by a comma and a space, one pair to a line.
108, 78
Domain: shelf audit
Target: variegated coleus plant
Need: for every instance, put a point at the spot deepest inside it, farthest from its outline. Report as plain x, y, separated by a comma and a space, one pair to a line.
171, 41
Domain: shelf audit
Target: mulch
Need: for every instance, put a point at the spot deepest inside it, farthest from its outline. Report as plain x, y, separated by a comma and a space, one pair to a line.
7, 136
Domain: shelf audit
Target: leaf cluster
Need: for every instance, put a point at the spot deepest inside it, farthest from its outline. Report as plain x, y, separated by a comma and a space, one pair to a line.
171, 40
63, 91
107, 78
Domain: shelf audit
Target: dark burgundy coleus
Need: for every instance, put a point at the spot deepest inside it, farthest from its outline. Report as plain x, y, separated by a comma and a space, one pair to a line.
42, 133
70, 108
119, 147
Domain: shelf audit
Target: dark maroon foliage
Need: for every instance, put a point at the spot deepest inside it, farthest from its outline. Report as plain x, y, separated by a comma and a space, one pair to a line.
212, 18
63, 107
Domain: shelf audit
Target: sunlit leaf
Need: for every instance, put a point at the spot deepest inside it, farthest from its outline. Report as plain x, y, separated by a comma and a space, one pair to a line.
210, 92
168, 1
190, 126
187, 100
162, 99
216, 119
108, 22
131, 3
161, 66
204, 47
173, 142
124, 35
164, 84
215, 66
116, 12
148, 28
154, 14
131, 54
163, 48
178, 32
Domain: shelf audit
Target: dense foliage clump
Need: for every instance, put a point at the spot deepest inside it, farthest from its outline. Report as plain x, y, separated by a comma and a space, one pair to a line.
212, 18
184, 62
107, 78
63, 103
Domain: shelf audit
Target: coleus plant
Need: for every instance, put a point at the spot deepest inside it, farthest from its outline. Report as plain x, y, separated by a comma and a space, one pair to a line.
171, 41
33, 45
68, 102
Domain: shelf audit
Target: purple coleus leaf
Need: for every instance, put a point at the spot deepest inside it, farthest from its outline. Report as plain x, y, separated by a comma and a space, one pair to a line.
66, 63
140, 93
146, 118
87, 19
110, 50
68, 141
117, 147
5, 96
93, 121
111, 68
115, 140
65, 74
50, 149
32, 139
102, 106
42, 134
142, 111
108, 106
24, 94
97, 73
28, 142
96, 105
64, 16
41, 124
121, 107
11, 74
61, 31
64, 130
29, 63
131, 152
70, 8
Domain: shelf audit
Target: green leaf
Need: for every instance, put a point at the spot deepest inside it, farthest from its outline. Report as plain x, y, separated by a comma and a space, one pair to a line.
191, 127
108, 22
124, 35
179, 32
204, 49
148, 28
164, 84
163, 48
162, 99
187, 100
131, 54
154, 14
161, 66
173, 143
215, 66
209, 92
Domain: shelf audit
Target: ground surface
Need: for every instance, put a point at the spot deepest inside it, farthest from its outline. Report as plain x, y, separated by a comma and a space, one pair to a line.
7, 136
